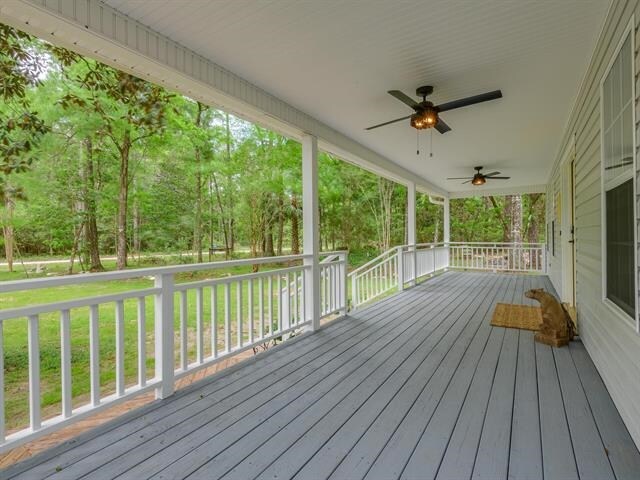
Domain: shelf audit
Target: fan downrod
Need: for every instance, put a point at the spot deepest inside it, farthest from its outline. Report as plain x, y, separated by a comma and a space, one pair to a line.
424, 91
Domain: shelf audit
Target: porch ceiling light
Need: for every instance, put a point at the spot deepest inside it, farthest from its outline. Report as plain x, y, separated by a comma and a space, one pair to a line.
424, 119
478, 179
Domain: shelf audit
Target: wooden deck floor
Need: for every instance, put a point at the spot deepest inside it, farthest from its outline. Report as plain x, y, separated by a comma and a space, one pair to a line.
416, 386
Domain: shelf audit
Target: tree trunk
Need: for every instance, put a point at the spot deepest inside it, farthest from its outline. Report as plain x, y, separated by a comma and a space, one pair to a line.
123, 197
516, 218
295, 230
221, 208
280, 224
197, 221
91, 237
230, 220
137, 227
268, 243
7, 227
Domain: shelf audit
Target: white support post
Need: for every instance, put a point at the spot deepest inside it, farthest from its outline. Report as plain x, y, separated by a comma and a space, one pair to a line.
447, 231
400, 268
411, 231
164, 335
311, 229
344, 282
447, 221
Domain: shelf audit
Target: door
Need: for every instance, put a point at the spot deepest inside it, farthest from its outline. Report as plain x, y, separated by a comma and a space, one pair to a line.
567, 231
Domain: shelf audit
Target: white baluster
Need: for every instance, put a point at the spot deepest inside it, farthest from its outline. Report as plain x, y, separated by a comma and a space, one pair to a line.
199, 326
214, 321
184, 352
94, 354
65, 360
34, 372
142, 343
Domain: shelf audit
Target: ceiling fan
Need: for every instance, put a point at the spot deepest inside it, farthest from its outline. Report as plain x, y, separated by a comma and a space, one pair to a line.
427, 114
480, 178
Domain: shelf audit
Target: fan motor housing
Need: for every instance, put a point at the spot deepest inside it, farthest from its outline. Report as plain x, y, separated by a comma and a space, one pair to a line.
424, 91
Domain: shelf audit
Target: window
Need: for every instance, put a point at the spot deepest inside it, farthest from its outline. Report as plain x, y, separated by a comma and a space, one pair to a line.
618, 162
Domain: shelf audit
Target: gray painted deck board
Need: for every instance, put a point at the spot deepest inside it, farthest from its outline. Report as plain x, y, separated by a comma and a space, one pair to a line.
418, 385
557, 447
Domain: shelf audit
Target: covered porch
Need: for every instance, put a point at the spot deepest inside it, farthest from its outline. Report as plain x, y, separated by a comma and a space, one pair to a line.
418, 385
409, 380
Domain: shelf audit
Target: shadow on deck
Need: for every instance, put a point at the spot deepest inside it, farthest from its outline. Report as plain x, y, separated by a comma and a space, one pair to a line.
418, 385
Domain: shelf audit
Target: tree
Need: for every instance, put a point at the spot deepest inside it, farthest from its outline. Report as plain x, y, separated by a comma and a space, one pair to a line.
131, 110
20, 126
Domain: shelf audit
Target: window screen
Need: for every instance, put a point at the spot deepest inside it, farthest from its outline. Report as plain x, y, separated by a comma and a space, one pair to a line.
618, 165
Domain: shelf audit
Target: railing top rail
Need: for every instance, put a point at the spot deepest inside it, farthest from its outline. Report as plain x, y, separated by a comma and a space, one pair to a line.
237, 278
76, 303
510, 244
32, 284
374, 260
334, 252
431, 245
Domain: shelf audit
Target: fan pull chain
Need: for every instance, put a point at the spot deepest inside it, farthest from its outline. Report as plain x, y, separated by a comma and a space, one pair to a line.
431, 144
417, 142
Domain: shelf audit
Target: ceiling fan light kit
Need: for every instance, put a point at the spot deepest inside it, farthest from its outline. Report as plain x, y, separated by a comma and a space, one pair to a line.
427, 115
480, 178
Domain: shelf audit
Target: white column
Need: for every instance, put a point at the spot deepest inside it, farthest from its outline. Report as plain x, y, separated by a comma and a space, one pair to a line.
311, 229
447, 230
447, 221
164, 333
411, 230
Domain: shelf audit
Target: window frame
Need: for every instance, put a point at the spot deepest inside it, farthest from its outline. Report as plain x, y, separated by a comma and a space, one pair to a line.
634, 321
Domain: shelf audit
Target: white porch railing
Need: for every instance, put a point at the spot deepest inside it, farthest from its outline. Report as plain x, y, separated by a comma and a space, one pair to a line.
183, 327
409, 263
193, 325
510, 257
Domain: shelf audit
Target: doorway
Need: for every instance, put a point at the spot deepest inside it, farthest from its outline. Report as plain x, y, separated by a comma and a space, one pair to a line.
567, 229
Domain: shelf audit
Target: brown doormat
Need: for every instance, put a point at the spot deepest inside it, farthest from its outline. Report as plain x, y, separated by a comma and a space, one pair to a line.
517, 316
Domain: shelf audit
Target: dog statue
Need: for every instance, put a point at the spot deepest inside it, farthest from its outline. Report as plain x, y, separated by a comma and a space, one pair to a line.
557, 327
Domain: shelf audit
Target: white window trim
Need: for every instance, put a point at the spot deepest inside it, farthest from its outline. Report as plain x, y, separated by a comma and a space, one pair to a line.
615, 309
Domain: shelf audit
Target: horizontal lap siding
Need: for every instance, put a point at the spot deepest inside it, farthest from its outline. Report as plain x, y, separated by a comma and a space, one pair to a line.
613, 345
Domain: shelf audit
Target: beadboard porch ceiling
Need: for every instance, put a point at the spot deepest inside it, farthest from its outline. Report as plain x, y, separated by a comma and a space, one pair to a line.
336, 60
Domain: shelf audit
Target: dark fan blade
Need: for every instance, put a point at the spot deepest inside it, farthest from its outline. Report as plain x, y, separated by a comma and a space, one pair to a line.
389, 122
499, 178
441, 126
459, 178
468, 181
406, 99
492, 174
463, 102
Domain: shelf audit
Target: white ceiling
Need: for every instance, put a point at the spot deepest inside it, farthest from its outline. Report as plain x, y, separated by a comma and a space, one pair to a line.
336, 59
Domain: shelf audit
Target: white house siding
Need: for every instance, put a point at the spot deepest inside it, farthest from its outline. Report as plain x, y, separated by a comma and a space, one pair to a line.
613, 343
